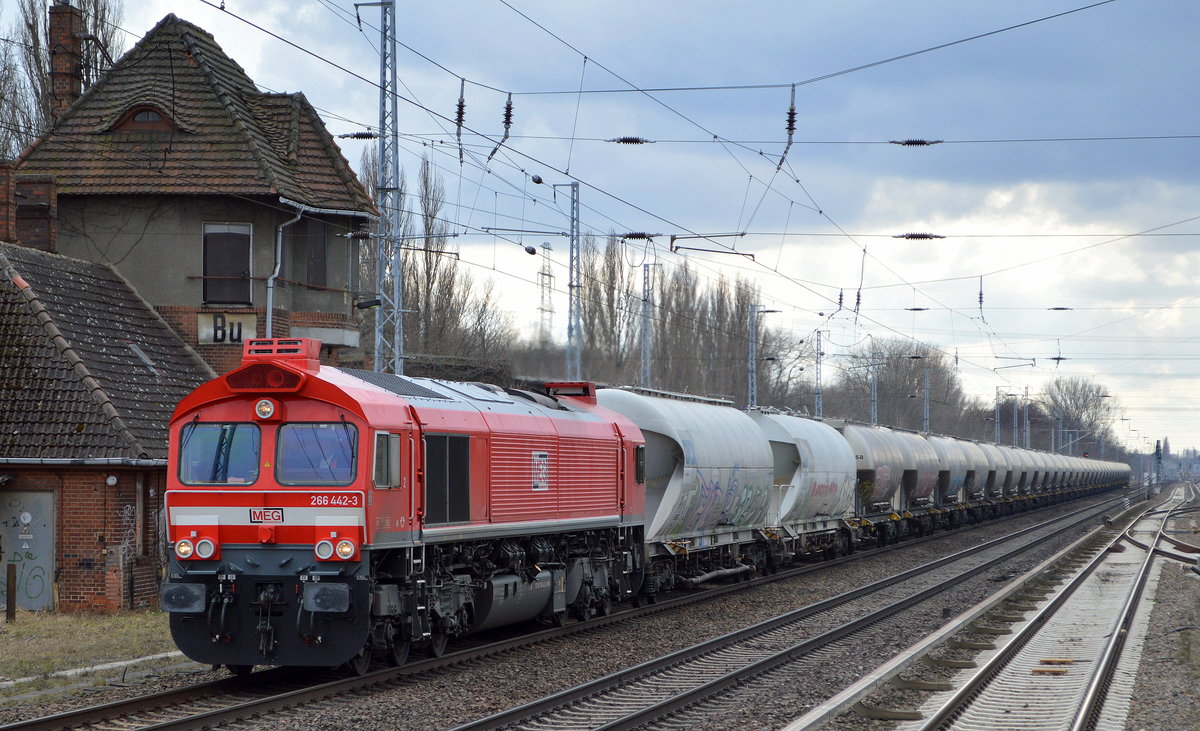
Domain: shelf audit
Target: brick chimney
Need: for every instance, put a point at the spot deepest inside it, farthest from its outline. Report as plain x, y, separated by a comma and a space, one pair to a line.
37, 212
8, 203
66, 56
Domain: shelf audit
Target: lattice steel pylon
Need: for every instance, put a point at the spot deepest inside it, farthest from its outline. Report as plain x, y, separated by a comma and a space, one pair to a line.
575, 290
546, 308
388, 263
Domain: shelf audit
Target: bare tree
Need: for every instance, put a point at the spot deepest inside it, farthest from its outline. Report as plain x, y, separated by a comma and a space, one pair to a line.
1085, 412
608, 312
26, 111
12, 115
900, 368
448, 314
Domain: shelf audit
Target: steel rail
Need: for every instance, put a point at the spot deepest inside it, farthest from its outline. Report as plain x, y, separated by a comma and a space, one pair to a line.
1090, 706
573, 695
161, 701
965, 695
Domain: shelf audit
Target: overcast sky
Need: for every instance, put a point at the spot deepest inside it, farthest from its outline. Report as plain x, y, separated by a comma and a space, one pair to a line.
1035, 216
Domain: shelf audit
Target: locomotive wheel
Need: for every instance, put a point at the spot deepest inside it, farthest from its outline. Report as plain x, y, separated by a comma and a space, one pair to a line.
437, 644
360, 664
398, 652
240, 671
604, 606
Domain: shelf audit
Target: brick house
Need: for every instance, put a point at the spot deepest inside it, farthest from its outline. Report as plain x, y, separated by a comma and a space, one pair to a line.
226, 208
89, 376
171, 212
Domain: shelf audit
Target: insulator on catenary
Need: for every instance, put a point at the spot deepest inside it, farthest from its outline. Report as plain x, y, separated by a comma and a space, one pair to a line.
359, 136
631, 141
915, 143
461, 116
918, 236
637, 235
508, 117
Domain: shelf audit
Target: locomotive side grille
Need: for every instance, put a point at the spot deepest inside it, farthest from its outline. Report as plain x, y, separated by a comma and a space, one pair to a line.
263, 377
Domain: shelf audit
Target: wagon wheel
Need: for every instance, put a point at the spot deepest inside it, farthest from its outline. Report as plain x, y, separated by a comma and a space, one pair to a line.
437, 644
398, 651
360, 664
240, 671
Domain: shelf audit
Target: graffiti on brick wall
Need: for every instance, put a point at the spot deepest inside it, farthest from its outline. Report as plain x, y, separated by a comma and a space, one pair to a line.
128, 528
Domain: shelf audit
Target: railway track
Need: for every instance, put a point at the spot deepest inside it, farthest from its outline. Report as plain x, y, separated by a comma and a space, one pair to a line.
1055, 660
231, 699
682, 689
1059, 665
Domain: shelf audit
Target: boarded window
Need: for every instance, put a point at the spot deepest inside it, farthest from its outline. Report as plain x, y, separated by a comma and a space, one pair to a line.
227, 263
447, 479
315, 234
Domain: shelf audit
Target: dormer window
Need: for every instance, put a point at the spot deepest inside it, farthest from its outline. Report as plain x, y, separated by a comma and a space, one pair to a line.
143, 119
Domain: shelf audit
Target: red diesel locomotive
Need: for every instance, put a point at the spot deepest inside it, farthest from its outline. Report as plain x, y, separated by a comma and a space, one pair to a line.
318, 515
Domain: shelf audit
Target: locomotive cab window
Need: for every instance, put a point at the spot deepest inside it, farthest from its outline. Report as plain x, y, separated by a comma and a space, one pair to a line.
639, 461
219, 454
316, 454
387, 460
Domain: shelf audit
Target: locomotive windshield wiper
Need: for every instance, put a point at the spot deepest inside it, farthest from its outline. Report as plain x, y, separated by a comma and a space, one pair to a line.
220, 467
350, 438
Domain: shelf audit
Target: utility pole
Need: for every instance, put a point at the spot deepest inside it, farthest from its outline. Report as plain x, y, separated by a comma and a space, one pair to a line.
1016, 406
387, 197
752, 360
647, 330
574, 314
874, 366
996, 419
818, 408
925, 405
1026, 417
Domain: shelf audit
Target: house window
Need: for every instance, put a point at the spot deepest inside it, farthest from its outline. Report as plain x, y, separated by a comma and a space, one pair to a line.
227, 263
309, 252
143, 119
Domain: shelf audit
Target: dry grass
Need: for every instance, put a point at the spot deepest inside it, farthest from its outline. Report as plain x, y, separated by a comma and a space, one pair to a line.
43, 642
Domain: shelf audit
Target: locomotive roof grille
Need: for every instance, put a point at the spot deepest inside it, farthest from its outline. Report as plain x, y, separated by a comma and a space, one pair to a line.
396, 384
264, 377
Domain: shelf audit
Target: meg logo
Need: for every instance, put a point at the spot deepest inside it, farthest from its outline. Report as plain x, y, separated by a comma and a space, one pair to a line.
266, 515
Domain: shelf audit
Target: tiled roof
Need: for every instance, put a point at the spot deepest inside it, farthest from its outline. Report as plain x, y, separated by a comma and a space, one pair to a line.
228, 138
72, 384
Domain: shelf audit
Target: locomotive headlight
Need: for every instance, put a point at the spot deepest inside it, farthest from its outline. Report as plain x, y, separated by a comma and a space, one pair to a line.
324, 550
184, 548
205, 548
264, 409
345, 549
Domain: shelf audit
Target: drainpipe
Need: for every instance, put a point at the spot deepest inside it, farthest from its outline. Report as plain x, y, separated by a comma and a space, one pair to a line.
275, 274
301, 209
